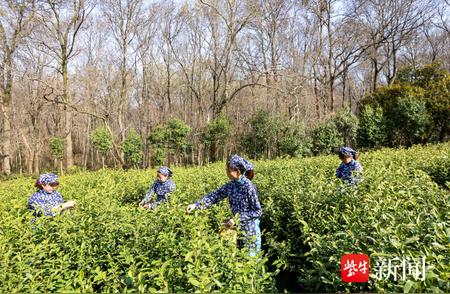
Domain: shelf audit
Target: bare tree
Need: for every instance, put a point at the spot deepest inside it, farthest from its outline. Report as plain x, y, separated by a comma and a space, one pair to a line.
234, 17
15, 24
132, 64
33, 110
61, 22
388, 24
124, 20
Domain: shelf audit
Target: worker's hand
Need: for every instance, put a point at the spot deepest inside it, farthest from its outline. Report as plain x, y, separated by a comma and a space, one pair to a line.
230, 223
190, 208
69, 204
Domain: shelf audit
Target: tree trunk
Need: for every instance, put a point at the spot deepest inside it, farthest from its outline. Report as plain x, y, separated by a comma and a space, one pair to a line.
6, 148
69, 144
6, 111
331, 89
168, 85
213, 151
376, 72
19, 154
68, 112
123, 91
61, 169
36, 163
344, 87
29, 159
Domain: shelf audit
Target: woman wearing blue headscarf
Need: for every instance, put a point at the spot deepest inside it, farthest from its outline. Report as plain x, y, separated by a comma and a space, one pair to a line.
47, 200
349, 171
243, 199
162, 187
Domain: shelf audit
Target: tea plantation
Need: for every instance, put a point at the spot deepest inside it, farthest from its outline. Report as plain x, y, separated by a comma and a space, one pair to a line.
401, 209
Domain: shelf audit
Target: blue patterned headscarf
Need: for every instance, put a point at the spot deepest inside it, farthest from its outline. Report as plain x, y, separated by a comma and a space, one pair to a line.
165, 171
237, 162
48, 178
348, 151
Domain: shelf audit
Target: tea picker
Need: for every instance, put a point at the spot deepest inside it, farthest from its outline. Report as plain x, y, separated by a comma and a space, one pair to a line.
243, 200
163, 187
47, 200
350, 170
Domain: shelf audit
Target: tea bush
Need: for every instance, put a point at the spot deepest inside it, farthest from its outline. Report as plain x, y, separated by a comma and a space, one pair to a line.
401, 208
397, 211
107, 244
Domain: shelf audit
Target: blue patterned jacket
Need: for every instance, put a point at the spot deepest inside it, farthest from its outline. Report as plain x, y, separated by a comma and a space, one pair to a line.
45, 203
242, 197
161, 189
350, 172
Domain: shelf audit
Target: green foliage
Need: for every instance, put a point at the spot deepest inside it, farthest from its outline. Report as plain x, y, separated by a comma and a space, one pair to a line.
56, 145
405, 114
158, 156
132, 148
275, 137
325, 138
347, 125
397, 210
177, 135
110, 245
158, 136
415, 107
339, 129
157, 139
292, 139
102, 140
435, 83
433, 80
215, 134
262, 135
171, 137
309, 222
75, 170
372, 127
408, 120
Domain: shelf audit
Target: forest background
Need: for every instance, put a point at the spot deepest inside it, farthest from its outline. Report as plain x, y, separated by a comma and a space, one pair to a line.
86, 84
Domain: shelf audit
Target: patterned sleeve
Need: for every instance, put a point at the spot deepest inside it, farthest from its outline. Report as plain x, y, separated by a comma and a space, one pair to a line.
48, 206
212, 198
339, 171
149, 194
357, 174
172, 187
35, 205
255, 205
59, 198
32, 202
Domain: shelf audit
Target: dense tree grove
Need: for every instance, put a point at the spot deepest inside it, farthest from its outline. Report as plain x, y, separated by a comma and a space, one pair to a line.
134, 83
